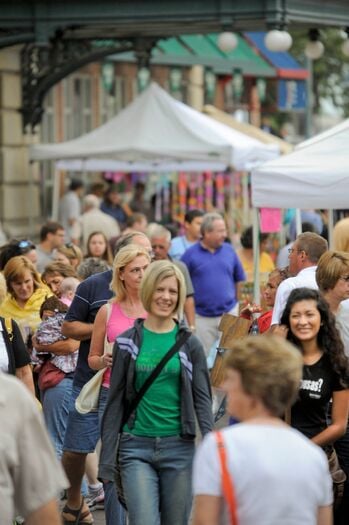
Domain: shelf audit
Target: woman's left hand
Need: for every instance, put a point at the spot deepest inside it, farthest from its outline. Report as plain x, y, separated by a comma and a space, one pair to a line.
106, 360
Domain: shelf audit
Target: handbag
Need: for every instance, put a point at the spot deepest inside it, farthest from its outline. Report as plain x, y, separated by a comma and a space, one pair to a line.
227, 482
88, 398
134, 403
338, 476
49, 376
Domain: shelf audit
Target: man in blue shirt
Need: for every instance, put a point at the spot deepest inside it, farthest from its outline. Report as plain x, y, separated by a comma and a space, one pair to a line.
215, 270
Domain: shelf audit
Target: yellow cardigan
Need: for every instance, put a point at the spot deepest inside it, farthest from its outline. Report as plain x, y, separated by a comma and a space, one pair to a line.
28, 317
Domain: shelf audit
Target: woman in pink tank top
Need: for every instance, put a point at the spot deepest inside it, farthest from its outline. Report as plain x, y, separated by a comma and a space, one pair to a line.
120, 313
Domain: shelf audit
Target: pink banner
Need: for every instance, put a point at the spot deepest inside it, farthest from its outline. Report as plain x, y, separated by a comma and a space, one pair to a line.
270, 220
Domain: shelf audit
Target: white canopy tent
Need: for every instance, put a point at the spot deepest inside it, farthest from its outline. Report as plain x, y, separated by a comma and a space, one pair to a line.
157, 130
316, 175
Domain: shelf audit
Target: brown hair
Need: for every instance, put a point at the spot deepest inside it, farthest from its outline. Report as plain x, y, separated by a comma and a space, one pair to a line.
331, 266
270, 370
15, 269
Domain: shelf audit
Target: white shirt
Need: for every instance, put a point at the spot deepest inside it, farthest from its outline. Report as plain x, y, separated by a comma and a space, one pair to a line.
69, 210
3, 353
280, 477
305, 278
342, 322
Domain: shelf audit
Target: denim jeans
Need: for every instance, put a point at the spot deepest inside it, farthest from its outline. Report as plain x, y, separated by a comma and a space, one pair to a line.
114, 512
55, 406
156, 477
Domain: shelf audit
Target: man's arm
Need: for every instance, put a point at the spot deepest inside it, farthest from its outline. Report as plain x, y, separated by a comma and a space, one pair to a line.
62, 347
48, 513
189, 310
77, 330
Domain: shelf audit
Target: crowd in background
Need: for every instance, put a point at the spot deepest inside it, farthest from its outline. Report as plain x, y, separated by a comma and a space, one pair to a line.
104, 290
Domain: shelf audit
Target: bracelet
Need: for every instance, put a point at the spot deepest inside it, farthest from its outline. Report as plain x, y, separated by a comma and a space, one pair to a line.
192, 327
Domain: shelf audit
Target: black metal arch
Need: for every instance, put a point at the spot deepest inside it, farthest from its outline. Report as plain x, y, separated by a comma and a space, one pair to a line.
42, 66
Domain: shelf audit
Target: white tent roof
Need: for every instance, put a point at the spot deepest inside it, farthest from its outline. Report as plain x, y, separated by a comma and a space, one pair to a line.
156, 129
316, 175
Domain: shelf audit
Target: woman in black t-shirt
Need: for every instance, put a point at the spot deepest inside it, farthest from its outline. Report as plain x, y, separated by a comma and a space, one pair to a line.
311, 327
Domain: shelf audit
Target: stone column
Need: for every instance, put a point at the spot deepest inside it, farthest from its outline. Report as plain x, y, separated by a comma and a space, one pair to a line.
196, 87
19, 188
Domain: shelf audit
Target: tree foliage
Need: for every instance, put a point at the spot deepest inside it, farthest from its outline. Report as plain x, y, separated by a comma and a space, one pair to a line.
330, 72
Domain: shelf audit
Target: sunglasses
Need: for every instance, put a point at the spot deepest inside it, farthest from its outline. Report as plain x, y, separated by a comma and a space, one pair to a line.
25, 245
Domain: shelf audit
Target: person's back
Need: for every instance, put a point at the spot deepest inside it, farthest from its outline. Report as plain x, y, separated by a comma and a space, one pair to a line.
270, 467
30, 476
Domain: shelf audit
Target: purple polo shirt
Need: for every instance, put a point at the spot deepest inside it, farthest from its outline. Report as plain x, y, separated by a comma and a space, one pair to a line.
214, 277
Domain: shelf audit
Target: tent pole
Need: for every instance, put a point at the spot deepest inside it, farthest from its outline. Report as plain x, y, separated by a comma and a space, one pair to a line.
55, 194
330, 229
31, 200
298, 221
245, 199
256, 257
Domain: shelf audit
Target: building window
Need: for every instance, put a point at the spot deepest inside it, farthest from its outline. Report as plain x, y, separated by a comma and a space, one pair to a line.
113, 102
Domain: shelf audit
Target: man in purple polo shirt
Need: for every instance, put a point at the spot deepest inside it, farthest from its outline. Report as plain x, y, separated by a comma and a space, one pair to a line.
215, 270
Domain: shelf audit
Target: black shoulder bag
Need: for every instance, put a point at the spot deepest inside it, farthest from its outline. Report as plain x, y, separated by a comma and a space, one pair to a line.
134, 403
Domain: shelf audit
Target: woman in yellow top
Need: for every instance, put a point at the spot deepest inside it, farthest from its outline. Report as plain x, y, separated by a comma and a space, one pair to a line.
245, 253
25, 295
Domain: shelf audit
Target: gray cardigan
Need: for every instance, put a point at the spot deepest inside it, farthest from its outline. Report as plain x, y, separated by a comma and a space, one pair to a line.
195, 392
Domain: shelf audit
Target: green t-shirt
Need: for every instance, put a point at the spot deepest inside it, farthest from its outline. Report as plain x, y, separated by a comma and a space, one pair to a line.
159, 411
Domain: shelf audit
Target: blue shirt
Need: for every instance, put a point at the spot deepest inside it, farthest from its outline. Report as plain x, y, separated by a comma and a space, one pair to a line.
214, 277
90, 295
179, 245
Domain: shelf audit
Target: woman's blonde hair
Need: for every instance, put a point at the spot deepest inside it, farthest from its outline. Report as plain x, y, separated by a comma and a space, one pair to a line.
3, 288
270, 370
15, 269
331, 266
125, 255
154, 274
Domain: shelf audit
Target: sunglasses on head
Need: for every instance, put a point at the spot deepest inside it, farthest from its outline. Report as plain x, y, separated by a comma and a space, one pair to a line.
26, 245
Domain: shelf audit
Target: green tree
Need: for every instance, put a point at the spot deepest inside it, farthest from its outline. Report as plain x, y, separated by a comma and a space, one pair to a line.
330, 72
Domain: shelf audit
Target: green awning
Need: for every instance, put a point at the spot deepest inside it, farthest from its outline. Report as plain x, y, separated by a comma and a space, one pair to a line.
189, 50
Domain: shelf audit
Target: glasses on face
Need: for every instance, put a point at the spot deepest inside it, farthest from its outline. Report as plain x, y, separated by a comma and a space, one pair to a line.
345, 278
291, 250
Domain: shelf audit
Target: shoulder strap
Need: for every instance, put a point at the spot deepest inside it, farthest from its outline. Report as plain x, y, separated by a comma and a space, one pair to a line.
8, 326
227, 482
180, 342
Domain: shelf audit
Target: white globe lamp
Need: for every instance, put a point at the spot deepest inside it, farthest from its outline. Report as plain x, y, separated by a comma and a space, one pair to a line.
314, 50
276, 40
227, 41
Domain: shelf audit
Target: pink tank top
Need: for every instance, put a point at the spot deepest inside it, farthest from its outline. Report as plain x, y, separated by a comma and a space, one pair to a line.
117, 323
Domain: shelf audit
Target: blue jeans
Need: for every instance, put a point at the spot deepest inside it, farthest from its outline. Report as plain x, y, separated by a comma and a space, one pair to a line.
114, 512
55, 406
156, 477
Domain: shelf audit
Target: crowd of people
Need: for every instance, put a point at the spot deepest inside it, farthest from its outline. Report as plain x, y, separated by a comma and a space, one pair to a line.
143, 308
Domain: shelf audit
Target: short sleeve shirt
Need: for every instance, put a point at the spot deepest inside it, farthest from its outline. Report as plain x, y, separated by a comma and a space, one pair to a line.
90, 295
30, 475
319, 381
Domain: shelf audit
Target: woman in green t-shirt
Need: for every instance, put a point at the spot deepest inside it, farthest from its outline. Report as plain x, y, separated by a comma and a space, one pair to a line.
157, 439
